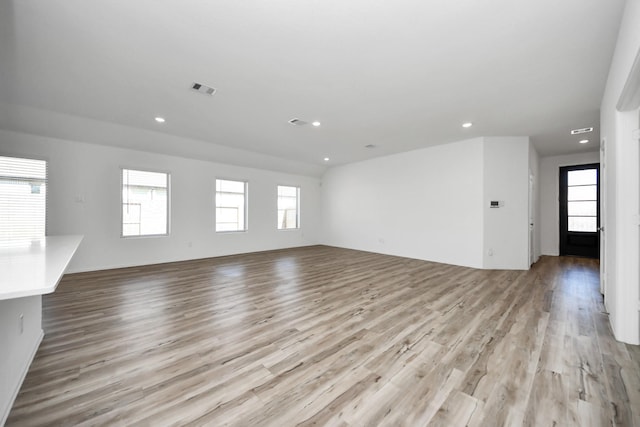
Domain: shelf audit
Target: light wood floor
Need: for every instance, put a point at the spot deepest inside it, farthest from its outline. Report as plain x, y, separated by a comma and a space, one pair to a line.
327, 336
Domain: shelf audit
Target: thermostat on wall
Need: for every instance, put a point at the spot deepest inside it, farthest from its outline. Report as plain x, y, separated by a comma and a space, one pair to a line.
496, 204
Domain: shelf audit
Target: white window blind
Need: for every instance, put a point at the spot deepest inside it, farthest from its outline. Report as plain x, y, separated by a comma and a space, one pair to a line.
23, 198
145, 203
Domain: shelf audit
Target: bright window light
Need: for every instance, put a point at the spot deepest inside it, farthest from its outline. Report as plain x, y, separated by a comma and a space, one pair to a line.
231, 205
145, 203
23, 198
288, 207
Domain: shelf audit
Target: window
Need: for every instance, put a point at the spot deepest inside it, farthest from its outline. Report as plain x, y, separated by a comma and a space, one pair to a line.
231, 204
582, 200
145, 203
288, 207
23, 198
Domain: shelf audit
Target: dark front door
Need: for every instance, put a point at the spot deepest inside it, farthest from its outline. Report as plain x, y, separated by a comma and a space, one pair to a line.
580, 210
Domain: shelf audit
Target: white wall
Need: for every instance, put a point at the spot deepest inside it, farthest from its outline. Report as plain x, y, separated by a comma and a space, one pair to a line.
423, 204
433, 204
506, 179
621, 177
18, 349
92, 172
549, 194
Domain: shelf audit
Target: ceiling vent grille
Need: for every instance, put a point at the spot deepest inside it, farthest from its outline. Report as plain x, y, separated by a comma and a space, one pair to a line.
203, 89
297, 122
579, 131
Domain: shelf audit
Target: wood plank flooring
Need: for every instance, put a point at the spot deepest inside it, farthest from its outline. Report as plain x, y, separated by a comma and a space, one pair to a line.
327, 336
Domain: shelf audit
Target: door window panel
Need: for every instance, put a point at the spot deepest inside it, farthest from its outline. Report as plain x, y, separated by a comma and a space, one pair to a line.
582, 223
582, 204
582, 208
582, 177
582, 192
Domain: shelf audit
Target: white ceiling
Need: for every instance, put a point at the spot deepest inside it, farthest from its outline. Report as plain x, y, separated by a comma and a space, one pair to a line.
400, 74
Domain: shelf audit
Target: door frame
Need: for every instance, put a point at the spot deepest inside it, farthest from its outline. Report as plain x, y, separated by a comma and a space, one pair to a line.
532, 246
602, 176
562, 199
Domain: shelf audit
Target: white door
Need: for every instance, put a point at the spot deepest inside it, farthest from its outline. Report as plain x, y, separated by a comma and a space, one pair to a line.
532, 254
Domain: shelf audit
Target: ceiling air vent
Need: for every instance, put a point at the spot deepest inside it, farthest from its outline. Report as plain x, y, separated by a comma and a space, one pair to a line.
579, 131
297, 122
205, 90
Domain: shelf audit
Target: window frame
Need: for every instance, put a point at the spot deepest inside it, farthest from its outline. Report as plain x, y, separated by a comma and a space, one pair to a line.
246, 205
298, 216
142, 236
595, 200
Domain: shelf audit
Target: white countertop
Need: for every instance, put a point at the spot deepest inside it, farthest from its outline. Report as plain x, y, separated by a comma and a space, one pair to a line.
34, 267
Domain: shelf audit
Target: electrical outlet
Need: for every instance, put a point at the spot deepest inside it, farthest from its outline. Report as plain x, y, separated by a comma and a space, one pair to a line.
21, 323
490, 252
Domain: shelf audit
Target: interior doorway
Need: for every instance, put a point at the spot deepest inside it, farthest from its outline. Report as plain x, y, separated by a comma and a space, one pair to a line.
580, 210
603, 216
532, 202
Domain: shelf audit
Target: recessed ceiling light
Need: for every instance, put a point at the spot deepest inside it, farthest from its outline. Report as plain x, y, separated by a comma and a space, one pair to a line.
326, 159
467, 125
583, 141
160, 120
316, 123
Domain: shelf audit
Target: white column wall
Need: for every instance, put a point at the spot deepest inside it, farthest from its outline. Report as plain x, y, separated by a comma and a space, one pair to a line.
506, 180
621, 175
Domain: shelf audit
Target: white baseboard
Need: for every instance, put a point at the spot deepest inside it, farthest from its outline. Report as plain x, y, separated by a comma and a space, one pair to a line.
23, 375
